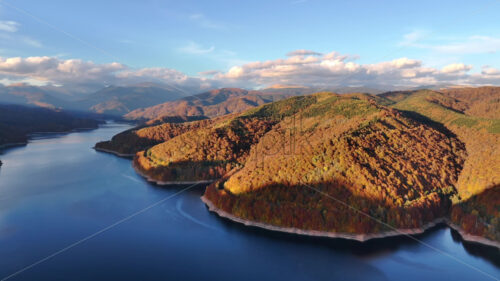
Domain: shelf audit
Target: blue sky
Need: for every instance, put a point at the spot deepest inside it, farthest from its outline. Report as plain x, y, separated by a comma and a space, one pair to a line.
195, 36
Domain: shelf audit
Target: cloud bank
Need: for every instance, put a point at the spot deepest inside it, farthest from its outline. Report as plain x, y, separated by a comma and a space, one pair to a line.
300, 67
337, 70
86, 76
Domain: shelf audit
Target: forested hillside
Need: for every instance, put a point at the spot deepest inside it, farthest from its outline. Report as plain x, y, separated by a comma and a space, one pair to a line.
22, 94
371, 157
16, 122
472, 115
154, 132
313, 162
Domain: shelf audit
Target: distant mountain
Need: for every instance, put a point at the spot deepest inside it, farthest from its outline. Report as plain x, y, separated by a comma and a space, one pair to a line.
146, 101
119, 100
301, 90
212, 103
291, 90
17, 122
23, 94
112, 100
367, 90
481, 101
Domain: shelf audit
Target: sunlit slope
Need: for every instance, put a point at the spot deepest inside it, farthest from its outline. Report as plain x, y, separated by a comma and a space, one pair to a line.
345, 149
131, 141
211, 152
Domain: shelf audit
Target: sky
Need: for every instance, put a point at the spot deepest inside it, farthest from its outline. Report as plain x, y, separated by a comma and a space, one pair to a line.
204, 44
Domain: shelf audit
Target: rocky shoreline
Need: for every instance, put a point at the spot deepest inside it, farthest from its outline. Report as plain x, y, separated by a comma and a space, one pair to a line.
472, 238
357, 237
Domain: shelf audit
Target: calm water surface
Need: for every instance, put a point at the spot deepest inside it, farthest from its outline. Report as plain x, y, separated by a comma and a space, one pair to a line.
57, 190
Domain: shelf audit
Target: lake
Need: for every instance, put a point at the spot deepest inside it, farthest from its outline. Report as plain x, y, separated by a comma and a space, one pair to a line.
57, 190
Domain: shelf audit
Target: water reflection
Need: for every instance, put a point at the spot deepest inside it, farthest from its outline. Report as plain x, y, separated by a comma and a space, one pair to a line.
371, 249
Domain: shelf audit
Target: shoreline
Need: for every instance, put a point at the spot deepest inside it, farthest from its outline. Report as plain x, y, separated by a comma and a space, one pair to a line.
32, 135
12, 144
113, 152
356, 237
149, 179
472, 238
75, 130
313, 233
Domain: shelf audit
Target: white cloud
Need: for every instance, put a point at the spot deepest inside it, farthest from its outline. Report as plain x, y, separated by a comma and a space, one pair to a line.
488, 70
334, 70
90, 76
196, 49
8, 33
71, 73
8, 26
456, 67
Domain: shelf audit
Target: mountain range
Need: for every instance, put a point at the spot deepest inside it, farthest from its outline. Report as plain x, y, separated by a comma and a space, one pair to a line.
112, 100
147, 101
212, 103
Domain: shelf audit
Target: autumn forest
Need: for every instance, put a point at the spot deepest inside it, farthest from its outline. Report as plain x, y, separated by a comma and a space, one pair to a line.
354, 164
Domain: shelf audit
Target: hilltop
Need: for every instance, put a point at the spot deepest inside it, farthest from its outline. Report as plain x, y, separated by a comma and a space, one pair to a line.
328, 164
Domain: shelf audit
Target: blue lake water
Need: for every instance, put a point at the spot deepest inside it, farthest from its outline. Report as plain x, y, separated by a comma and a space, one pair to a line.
57, 190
